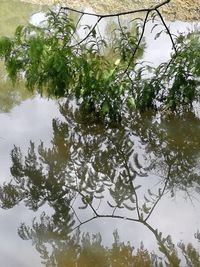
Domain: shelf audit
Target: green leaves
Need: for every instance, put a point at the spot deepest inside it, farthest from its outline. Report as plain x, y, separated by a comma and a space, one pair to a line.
5, 47
55, 60
36, 47
105, 107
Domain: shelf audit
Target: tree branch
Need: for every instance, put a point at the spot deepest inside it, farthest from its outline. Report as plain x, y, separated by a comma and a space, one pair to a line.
119, 13
162, 193
105, 216
167, 29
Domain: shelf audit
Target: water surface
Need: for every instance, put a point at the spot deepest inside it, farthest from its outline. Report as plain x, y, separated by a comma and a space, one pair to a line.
70, 173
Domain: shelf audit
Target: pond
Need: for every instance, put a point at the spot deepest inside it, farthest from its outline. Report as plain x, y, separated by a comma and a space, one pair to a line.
79, 193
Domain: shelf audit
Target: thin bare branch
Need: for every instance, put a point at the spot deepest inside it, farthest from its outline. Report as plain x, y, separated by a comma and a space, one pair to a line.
167, 29
119, 13
139, 42
89, 33
161, 194
106, 216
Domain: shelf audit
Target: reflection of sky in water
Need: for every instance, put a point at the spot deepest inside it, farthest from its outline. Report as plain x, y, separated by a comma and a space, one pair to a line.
178, 217
159, 50
13, 250
32, 120
29, 121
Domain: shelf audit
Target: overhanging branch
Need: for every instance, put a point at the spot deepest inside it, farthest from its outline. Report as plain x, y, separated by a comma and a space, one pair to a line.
154, 8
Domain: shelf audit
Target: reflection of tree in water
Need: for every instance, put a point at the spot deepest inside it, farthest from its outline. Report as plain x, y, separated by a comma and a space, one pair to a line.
11, 96
82, 250
174, 141
101, 168
17, 13
85, 250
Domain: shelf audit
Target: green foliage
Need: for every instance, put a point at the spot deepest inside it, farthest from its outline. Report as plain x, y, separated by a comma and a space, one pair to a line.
179, 78
103, 74
123, 42
5, 47
52, 62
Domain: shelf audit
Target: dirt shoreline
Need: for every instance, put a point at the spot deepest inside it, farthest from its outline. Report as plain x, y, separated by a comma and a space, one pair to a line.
185, 10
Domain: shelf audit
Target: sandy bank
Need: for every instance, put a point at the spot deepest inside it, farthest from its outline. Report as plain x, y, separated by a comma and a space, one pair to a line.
175, 10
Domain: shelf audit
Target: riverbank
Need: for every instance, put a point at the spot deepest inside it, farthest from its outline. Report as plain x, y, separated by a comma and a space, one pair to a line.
185, 10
